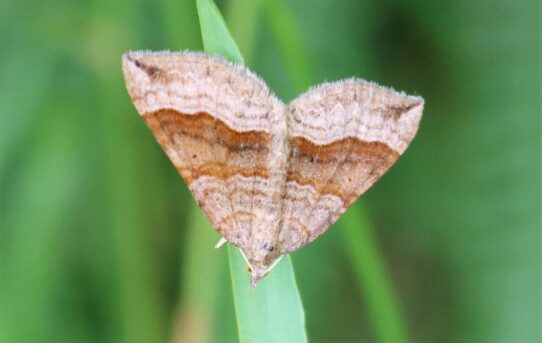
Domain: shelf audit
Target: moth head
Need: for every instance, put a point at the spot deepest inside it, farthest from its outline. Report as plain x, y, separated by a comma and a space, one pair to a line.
260, 269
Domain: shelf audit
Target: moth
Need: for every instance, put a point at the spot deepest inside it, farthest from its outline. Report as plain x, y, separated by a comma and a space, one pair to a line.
271, 177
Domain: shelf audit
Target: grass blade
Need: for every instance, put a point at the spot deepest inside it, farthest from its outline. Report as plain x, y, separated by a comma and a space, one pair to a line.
244, 18
273, 311
290, 44
371, 275
215, 34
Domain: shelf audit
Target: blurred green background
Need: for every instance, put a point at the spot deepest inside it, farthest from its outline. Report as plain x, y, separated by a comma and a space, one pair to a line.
98, 242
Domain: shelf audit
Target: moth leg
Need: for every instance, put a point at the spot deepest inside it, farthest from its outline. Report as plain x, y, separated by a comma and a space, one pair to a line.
244, 256
221, 243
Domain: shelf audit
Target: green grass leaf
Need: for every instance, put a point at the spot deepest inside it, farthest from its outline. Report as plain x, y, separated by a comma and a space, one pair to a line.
272, 312
284, 29
372, 276
215, 34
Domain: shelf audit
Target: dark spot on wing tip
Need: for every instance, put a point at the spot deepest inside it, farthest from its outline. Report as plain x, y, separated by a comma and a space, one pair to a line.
416, 104
129, 57
152, 71
398, 111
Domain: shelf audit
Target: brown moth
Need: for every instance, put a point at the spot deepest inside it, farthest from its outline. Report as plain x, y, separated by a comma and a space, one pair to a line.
271, 177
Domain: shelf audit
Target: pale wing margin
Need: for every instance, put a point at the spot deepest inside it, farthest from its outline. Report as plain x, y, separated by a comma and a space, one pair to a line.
192, 82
